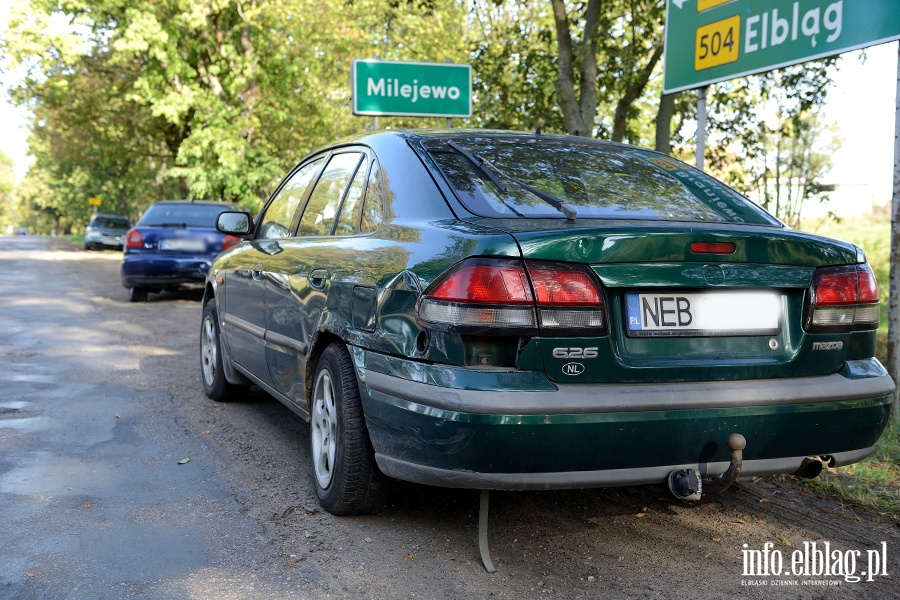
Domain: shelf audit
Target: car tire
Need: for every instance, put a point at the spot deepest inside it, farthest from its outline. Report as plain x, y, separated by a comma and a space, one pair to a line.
215, 385
345, 476
138, 294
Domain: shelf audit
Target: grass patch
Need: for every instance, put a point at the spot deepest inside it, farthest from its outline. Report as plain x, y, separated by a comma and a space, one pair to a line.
874, 482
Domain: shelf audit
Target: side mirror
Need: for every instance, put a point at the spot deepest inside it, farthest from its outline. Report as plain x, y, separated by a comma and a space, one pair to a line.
234, 222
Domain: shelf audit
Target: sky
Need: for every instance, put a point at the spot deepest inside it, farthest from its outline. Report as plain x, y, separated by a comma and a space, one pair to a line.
862, 103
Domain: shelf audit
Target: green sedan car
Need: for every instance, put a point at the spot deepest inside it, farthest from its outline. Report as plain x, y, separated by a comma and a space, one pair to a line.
499, 310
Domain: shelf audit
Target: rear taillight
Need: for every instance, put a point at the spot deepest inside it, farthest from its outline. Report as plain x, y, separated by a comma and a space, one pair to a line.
134, 239
505, 297
230, 241
843, 299
480, 295
567, 298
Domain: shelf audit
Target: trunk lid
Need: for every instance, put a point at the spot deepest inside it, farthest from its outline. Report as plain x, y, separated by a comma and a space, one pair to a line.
676, 314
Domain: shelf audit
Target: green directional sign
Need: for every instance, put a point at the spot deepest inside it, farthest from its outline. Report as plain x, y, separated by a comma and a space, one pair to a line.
715, 40
411, 89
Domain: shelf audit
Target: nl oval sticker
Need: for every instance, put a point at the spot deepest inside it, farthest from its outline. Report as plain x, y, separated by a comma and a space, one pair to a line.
573, 368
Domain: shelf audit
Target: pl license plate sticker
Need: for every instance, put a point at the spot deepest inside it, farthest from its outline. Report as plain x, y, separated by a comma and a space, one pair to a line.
703, 313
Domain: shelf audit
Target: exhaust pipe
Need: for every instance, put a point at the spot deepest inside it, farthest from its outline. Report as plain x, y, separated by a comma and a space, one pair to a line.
686, 484
809, 468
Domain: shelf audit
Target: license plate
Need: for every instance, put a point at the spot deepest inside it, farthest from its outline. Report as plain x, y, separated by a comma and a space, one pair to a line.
703, 313
185, 245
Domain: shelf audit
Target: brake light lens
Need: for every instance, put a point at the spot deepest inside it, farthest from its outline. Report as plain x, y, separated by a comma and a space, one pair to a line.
843, 299
567, 288
485, 283
134, 239
507, 297
229, 241
712, 248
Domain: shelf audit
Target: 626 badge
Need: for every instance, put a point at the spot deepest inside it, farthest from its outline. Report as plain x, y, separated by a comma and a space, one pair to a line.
575, 352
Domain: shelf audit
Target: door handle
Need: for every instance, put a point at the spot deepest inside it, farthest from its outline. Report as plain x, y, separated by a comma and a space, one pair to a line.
317, 278
256, 272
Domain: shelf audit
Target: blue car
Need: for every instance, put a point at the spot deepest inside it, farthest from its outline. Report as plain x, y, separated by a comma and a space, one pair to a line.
172, 246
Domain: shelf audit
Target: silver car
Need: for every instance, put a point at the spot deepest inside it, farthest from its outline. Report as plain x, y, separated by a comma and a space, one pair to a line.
106, 231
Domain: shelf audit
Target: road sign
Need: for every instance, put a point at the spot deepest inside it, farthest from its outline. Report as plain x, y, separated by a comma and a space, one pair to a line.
715, 40
411, 89
95, 201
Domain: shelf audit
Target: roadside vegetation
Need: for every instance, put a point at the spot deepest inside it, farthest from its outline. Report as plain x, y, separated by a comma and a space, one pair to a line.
135, 103
874, 482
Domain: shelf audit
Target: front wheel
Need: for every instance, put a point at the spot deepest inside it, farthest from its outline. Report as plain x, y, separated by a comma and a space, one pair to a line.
345, 475
214, 383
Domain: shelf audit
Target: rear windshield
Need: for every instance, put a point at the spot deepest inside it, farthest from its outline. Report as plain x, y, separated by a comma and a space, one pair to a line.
597, 180
182, 215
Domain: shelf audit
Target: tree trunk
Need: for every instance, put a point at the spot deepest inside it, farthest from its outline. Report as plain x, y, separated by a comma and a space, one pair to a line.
578, 112
893, 349
632, 93
664, 123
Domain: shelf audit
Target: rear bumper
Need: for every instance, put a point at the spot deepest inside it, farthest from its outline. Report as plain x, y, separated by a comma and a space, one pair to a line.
164, 271
106, 242
456, 427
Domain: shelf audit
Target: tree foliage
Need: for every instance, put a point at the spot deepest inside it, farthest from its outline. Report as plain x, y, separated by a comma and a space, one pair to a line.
217, 99
8, 216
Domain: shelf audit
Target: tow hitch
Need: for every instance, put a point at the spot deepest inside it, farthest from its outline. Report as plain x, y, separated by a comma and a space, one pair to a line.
686, 484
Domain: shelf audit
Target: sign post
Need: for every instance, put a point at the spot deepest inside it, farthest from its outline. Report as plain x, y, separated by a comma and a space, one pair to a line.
411, 89
894, 294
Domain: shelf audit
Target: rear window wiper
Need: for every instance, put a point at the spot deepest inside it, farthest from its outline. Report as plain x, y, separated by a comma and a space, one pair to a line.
479, 163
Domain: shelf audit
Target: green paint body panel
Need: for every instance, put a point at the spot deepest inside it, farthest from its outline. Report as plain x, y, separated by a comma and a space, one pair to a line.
420, 433
538, 444
590, 242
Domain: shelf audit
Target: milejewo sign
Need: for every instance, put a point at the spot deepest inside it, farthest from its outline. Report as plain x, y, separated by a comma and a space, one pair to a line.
411, 89
715, 40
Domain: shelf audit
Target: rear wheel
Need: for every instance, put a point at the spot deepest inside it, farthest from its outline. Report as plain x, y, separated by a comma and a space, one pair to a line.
138, 294
214, 383
345, 475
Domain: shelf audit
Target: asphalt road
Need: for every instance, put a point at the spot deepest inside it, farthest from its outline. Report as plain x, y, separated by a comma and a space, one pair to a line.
100, 400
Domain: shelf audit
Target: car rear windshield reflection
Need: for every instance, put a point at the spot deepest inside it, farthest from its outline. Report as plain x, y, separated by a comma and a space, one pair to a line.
598, 180
181, 215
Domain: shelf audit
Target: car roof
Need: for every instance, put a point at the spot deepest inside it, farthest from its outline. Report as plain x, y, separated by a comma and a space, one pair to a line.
200, 202
427, 134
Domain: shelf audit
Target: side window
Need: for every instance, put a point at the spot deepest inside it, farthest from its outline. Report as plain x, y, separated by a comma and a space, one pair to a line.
350, 210
322, 208
277, 220
374, 205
